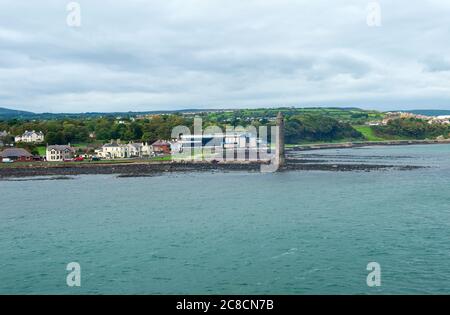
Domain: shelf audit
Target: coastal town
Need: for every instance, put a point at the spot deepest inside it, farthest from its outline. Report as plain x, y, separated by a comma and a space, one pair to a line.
389, 116
147, 137
118, 150
115, 149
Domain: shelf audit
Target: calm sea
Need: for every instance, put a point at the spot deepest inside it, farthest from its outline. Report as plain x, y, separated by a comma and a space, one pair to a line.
243, 233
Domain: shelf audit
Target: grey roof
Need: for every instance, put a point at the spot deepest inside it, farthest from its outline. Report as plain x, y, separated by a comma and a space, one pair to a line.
136, 145
160, 143
30, 133
60, 147
3, 133
111, 145
15, 152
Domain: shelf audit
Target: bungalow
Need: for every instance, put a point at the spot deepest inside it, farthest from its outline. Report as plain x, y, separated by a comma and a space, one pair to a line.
161, 147
57, 153
16, 154
30, 137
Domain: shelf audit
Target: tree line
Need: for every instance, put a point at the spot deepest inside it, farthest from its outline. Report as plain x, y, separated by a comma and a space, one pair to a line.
99, 129
412, 128
310, 127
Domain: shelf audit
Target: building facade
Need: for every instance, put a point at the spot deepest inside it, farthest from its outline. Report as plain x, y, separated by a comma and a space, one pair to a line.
231, 140
30, 137
117, 150
113, 150
59, 153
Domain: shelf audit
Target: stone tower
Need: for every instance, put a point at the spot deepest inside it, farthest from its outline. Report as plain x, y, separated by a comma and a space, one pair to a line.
280, 140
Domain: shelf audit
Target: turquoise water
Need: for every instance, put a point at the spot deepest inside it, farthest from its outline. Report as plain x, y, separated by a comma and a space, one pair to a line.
243, 233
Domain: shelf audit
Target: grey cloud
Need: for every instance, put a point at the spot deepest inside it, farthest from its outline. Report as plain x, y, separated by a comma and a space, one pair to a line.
168, 54
436, 64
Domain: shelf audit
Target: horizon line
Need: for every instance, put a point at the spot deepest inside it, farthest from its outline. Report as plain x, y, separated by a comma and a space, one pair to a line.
219, 109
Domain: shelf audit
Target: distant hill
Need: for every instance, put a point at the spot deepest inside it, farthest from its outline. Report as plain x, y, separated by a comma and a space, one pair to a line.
6, 113
430, 112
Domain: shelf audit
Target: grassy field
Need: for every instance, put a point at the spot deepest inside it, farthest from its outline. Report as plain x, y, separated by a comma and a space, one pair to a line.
368, 133
42, 150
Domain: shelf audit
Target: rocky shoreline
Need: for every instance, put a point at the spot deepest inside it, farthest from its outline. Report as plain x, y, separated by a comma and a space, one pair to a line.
145, 169
347, 145
122, 169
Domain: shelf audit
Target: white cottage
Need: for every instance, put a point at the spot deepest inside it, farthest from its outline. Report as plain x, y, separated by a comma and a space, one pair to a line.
58, 153
113, 150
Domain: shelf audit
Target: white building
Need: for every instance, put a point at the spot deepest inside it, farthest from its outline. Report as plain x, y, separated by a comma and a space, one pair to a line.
30, 137
135, 149
113, 150
226, 141
57, 153
117, 150
147, 150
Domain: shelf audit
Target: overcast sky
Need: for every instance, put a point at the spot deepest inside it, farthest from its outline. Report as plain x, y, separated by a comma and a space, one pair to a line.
175, 54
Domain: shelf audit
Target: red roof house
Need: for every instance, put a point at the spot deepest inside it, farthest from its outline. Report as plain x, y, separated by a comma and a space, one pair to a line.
161, 146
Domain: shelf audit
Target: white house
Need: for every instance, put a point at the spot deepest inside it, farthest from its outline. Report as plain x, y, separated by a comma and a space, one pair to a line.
117, 150
56, 153
134, 149
113, 150
30, 137
147, 150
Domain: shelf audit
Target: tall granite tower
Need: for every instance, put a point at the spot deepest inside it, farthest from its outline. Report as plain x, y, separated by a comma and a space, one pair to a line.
280, 140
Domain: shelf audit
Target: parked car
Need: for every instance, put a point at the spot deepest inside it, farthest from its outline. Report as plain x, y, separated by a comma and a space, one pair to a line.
7, 160
78, 159
95, 158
